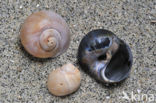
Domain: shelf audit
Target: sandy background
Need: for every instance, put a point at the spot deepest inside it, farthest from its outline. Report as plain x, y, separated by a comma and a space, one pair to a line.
23, 78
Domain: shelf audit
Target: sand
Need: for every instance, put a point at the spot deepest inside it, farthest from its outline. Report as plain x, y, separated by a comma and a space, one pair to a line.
23, 78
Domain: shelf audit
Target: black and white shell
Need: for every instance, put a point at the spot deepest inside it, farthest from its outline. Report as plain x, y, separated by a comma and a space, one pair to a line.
105, 56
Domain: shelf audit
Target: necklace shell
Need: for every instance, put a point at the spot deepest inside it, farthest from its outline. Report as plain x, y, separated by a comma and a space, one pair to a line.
105, 56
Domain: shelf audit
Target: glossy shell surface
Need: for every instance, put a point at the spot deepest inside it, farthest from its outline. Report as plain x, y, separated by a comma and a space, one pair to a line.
105, 56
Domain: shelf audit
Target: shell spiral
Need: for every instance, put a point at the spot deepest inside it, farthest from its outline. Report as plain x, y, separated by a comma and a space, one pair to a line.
105, 56
45, 34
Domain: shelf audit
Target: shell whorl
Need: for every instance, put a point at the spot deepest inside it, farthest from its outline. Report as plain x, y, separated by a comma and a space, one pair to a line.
49, 39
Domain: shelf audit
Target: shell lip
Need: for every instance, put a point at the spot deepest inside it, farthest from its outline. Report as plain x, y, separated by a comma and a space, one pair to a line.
123, 73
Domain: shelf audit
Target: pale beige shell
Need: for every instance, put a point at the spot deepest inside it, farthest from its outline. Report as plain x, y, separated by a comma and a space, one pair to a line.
65, 80
45, 34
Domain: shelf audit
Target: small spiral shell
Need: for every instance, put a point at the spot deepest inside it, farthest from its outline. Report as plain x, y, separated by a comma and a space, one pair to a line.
45, 34
64, 80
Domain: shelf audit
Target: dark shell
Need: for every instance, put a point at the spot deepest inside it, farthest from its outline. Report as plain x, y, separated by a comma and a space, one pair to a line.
105, 56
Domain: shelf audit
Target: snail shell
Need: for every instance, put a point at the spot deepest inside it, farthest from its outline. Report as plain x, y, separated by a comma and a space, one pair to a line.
65, 80
45, 34
105, 56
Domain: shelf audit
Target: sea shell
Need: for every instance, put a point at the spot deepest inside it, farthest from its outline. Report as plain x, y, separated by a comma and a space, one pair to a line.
105, 56
65, 80
45, 34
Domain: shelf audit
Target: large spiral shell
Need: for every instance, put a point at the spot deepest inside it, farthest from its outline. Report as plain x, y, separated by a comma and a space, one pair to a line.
45, 34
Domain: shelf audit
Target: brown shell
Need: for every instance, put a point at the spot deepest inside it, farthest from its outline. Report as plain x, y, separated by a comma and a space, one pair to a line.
33, 27
65, 80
